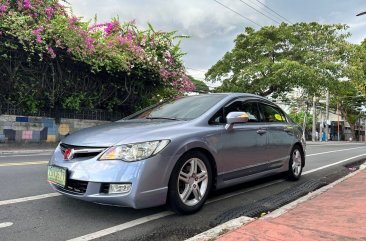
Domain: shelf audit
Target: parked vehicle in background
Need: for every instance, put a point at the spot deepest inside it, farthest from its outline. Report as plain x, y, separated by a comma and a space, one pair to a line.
177, 152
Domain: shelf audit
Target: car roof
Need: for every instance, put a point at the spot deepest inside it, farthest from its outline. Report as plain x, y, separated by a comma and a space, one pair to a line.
228, 94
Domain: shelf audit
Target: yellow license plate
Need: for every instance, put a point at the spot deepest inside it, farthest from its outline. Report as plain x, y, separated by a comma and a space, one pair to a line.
57, 175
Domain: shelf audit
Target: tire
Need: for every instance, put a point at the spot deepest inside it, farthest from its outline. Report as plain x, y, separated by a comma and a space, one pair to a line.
295, 164
190, 183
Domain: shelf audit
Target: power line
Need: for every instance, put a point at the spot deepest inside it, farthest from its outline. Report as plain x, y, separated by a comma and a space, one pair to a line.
274, 11
259, 11
265, 10
238, 13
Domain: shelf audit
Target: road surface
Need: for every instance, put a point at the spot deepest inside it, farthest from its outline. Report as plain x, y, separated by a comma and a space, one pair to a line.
30, 210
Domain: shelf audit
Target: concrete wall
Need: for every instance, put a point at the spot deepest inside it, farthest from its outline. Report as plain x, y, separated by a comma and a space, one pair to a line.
39, 129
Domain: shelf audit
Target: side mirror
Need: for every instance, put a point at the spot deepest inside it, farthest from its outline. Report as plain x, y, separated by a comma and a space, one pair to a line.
234, 118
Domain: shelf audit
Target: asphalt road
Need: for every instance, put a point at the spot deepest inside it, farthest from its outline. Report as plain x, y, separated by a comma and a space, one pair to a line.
30, 210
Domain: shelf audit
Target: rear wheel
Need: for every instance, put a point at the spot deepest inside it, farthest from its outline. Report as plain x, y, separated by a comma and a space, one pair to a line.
295, 164
190, 183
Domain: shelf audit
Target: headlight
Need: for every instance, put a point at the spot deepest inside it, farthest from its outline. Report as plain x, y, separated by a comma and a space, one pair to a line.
135, 151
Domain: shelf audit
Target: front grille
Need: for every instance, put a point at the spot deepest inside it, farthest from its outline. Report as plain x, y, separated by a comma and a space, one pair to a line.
81, 151
74, 187
104, 188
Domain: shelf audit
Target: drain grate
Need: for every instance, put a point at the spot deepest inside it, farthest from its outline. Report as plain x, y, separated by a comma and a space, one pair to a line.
268, 204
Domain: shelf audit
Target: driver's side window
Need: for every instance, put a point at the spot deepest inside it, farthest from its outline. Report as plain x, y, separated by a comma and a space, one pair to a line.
251, 108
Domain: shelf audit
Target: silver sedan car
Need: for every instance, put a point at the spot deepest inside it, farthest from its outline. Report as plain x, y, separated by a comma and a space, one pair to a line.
178, 151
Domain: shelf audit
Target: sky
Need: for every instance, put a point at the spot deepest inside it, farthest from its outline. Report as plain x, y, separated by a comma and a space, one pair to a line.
213, 27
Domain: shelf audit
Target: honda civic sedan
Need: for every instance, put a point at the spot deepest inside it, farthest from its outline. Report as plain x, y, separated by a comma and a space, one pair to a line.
177, 152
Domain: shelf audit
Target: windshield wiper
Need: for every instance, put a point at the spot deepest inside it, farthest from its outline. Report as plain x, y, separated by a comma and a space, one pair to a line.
161, 118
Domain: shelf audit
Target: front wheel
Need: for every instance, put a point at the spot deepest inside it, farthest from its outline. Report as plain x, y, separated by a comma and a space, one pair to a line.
295, 164
190, 183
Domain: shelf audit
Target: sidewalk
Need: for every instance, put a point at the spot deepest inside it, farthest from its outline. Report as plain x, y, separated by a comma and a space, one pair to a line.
337, 214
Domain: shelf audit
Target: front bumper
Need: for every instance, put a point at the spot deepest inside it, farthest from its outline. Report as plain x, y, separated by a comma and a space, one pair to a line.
90, 176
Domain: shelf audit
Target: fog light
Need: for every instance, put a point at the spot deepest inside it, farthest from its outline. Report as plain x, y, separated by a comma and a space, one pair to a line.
119, 188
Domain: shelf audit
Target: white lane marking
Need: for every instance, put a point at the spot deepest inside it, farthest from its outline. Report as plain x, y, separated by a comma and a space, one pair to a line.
26, 199
336, 144
122, 226
321, 153
9, 164
333, 164
39, 154
7, 224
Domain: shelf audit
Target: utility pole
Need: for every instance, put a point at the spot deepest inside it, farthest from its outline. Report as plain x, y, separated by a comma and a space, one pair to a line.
321, 124
327, 116
314, 120
338, 113
305, 120
365, 128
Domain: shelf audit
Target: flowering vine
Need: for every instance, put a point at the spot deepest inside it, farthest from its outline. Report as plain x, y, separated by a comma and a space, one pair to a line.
47, 28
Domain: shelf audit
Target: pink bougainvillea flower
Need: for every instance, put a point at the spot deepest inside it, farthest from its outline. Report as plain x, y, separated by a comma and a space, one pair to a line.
37, 32
110, 27
121, 39
20, 5
3, 8
27, 4
49, 11
51, 52
58, 43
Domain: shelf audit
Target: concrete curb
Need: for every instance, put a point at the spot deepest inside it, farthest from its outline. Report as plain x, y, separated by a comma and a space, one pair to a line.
292, 205
221, 229
213, 233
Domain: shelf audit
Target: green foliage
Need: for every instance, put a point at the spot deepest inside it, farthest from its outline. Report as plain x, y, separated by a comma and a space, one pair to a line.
201, 87
275, 60
73, 64
347, 99
357, 67
298, 118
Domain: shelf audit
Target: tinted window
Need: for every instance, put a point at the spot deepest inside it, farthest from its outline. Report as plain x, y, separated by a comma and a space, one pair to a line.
272, 114
251, 108
186, 108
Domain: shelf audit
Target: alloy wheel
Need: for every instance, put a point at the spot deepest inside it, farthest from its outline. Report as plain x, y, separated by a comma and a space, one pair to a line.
192, 181
296, 162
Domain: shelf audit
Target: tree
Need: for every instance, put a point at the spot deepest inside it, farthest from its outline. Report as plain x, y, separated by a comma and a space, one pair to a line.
347, 99
274, 60
201, 87
298, 118
357, 67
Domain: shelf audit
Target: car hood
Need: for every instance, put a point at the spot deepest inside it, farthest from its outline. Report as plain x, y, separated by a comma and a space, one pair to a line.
112, 133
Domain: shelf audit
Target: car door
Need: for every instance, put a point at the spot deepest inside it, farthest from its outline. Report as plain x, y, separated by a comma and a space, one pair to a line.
280, 135
244, 146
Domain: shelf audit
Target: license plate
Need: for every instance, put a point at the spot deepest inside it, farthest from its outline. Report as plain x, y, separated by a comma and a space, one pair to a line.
57, 175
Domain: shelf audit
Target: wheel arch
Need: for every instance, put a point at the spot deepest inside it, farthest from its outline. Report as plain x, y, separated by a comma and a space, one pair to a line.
212, 161
210, 158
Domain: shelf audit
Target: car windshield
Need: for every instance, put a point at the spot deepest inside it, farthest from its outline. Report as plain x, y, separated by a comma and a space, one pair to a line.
186, 108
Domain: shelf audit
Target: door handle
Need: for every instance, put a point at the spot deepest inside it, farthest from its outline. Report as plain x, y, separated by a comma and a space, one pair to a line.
261, 132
